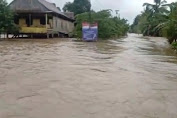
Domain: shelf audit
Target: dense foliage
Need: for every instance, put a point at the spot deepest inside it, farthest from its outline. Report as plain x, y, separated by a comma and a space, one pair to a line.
6, 18
108, 26
158, 19
174, 45
77, 6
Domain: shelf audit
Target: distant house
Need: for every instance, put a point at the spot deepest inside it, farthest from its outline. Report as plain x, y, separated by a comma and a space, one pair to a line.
39, 17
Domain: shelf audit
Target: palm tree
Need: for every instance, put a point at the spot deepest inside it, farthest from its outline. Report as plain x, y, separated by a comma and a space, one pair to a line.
170, 24
172, 6
156, 14
157, 7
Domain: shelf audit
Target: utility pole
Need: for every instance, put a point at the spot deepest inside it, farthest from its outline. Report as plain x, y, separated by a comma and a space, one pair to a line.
117, 13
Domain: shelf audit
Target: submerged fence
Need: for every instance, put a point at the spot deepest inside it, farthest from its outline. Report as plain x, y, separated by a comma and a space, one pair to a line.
3, 36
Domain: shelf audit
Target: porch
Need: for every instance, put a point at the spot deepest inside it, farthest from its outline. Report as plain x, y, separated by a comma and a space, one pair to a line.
33, 23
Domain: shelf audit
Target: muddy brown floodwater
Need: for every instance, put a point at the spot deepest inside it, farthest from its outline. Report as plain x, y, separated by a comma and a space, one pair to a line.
133, 77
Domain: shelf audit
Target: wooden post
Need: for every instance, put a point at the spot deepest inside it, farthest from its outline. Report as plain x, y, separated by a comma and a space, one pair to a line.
53, 23
30, 20
31, 35
46, 19
7, 35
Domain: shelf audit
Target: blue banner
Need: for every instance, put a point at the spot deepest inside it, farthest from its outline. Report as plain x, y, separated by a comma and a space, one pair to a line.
89, 31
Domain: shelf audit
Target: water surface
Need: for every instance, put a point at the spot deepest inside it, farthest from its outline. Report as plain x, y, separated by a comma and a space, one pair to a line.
133, 77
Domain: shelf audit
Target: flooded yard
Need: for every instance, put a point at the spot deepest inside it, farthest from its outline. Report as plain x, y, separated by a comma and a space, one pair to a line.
133, 77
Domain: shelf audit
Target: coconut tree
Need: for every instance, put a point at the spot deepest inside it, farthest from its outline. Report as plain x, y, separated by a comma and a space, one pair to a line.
169, 26
156, 14
157, 7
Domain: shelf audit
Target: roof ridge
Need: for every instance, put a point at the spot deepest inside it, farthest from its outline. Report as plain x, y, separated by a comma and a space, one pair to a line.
50, 6
43, 4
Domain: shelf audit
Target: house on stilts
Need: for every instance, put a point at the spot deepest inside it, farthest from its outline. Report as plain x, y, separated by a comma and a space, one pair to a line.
39, 17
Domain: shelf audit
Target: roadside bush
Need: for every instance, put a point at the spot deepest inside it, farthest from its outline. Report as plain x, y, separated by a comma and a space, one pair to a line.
174, 45
108, 26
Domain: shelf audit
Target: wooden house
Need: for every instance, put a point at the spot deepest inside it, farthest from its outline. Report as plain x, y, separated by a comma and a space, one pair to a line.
39, 17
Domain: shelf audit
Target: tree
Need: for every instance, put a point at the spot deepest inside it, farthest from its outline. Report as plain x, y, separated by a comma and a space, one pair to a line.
7, 16
158, 19
150, 18
78, 6
68, 7
169, 27
157, 7
134, 27
108, 26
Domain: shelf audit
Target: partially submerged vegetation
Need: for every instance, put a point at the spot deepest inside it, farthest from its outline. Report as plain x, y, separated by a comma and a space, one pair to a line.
7, 19
108, 26
158, 19
174, 45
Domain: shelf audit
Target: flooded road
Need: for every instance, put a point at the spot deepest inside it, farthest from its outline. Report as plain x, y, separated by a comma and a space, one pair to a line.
133, 77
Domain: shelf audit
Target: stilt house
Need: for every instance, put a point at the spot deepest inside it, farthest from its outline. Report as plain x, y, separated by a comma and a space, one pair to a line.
39, 17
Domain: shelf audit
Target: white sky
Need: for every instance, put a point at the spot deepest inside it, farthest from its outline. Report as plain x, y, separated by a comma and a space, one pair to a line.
128, 8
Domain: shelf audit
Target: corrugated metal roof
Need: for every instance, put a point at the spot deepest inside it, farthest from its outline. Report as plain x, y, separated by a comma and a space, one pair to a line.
35, 6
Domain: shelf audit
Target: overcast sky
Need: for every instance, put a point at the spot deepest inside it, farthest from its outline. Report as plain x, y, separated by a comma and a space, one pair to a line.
128, 8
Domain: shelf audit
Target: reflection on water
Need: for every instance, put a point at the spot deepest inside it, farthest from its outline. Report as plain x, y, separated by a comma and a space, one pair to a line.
132, 77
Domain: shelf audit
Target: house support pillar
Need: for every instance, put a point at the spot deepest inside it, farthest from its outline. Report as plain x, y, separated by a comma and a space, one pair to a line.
31, 35
47, 35
30, 20
7, 36
46, 19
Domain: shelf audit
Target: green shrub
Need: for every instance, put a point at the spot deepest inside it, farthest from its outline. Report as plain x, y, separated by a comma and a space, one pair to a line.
174, 45
108, 26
